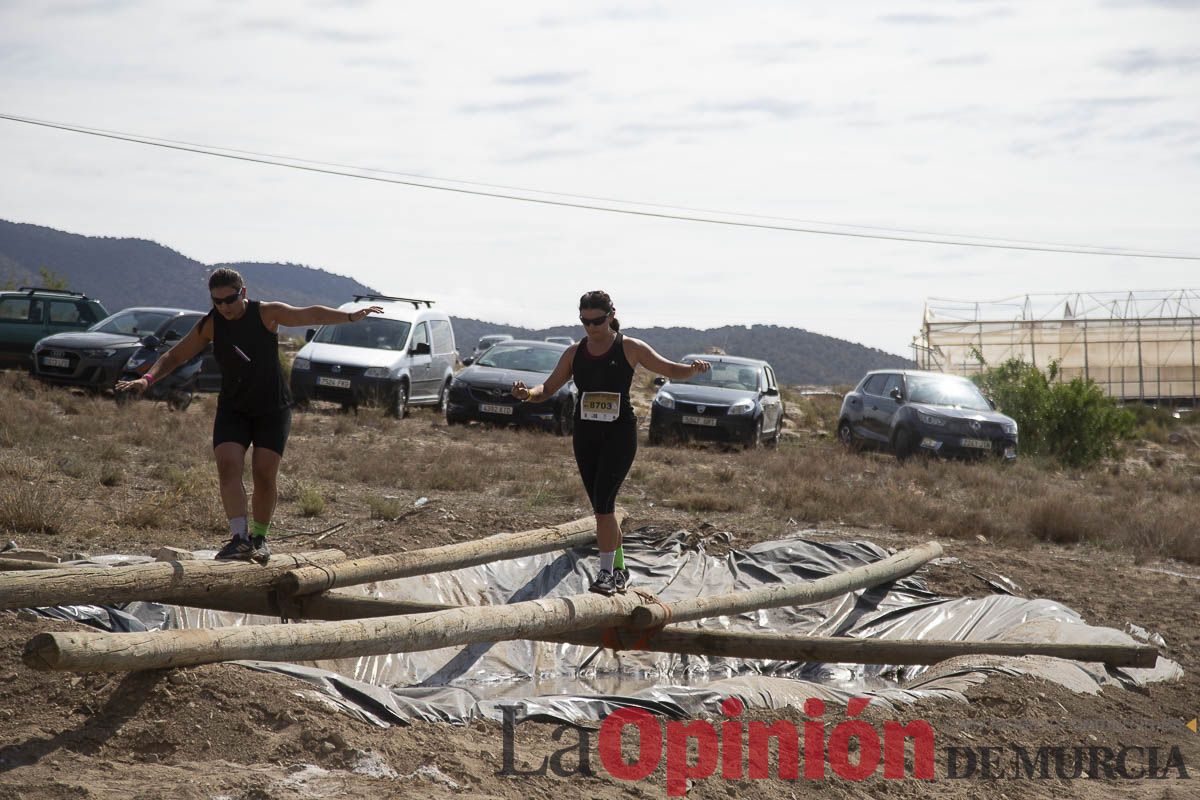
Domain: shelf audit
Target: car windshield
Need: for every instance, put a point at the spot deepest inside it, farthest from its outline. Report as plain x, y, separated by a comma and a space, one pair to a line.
522, 358
948, 391
132, 322
373, 332
726, 376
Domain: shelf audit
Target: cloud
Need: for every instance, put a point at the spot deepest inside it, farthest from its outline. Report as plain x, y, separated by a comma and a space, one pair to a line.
509, 106
540, 79
1144, 61
780, 109
970, 60
288, 26
549, 153
918, 19
777, 52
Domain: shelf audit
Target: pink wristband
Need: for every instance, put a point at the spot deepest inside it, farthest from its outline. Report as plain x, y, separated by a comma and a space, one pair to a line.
149, 378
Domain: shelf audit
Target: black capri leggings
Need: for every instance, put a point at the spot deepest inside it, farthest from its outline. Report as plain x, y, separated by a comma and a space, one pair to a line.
604, 452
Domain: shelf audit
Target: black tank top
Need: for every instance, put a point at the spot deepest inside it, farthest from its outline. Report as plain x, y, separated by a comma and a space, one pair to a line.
610, 372
251, 378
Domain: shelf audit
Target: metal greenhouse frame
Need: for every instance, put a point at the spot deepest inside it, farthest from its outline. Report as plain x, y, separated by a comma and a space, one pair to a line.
1135, 345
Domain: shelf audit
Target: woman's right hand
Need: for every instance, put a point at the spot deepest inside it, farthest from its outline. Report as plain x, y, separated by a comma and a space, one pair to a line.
140, 385
520, 391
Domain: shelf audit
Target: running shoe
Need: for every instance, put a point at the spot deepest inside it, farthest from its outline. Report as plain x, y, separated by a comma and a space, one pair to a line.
620, 579
236, 549
604, 584
262, 551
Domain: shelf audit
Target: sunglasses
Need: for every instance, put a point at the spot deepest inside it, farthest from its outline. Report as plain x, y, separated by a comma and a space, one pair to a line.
594, 320
228, 300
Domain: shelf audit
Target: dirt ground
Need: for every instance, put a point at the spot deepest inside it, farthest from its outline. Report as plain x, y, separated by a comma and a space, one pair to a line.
224, 731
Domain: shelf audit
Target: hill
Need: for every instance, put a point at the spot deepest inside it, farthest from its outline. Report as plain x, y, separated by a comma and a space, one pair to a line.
128, 272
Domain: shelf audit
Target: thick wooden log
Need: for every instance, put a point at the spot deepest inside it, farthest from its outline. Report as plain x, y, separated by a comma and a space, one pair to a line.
183, 582
22, 564
774, 647
87, 651
788, 594
310, 580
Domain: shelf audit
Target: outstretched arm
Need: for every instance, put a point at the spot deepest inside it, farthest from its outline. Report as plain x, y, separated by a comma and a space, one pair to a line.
560, 375
187, 348
647, 357
276, 314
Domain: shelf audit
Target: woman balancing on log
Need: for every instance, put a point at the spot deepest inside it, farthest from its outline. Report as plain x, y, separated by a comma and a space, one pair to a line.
254, 406
605, 437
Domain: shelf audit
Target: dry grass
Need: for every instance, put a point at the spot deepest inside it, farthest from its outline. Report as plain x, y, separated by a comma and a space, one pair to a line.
33, 508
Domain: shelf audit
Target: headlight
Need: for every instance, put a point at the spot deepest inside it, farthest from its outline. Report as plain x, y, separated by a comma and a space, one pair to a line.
136, 362
107, 352
664, 399
929, 419
301, 365
1010, 428
742, 407
378, 372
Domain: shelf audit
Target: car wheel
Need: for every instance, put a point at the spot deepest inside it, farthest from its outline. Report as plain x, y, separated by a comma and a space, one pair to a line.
398, 404
845, 435
774, 440
902, 444
443, 398
755, 441
179, 400
654, 436
564, 419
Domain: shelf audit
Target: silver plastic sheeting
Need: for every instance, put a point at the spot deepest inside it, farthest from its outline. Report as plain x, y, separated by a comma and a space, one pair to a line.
575, 683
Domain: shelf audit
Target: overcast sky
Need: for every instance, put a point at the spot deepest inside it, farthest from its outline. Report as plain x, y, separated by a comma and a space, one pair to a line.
1062, 121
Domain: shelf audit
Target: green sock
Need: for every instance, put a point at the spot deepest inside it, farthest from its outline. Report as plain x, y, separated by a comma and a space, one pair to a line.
259, 528
619, 561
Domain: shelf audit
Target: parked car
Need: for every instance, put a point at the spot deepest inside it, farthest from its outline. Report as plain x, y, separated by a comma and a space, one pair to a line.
403, 357
96, 358
566, 340
484, 343
483, 391
30, 314
179, 387
738, 401
909, 412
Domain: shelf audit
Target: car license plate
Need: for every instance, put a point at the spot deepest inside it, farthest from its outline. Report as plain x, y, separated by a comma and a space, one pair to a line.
707, 422
51, 361
488, 408
978, 444
336, 383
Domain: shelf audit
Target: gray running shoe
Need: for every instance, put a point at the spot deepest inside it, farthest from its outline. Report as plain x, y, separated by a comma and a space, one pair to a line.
236, 549
604, 584
262, 551
620, 579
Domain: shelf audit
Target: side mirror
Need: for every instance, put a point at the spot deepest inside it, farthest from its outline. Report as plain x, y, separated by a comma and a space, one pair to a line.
172, 336
992, 403
660, 381
772, 392
309, 334
897, 395
151, 341
468, 361
421, 349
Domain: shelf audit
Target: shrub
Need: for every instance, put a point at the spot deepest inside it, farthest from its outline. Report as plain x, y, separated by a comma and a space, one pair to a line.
1073, 422
384, 507
312, 502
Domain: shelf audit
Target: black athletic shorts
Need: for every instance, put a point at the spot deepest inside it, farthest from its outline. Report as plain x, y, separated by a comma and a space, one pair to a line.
269, 431
604, 452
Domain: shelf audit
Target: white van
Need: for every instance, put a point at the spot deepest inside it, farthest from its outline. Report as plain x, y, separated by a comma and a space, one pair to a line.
404, 356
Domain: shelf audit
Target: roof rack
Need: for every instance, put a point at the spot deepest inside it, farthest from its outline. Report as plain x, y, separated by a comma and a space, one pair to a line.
414, 300
32, 289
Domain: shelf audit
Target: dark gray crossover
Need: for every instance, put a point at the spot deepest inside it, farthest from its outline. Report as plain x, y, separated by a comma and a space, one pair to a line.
483, 391
909, 412
737, 401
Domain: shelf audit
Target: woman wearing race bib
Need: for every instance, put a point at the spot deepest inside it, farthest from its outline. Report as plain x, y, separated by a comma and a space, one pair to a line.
605, 437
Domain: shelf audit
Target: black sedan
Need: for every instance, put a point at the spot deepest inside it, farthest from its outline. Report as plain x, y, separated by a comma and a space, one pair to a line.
737, 401
95, 358
483, 391
910, 412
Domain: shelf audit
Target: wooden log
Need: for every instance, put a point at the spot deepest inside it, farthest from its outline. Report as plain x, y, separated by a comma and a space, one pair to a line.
788, 594
90, 651
459, 555
7, 564
183, 582
774, 647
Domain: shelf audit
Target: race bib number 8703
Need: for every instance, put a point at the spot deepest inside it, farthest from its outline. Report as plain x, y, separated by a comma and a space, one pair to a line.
600, 406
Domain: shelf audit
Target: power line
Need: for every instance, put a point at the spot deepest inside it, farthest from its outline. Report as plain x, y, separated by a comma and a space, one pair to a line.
509, 193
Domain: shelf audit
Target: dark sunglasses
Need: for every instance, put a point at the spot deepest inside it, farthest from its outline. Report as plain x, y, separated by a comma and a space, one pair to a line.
227, 300
594, 320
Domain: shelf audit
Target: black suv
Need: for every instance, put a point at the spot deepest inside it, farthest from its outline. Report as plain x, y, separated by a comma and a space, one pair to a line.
738, 401
483, 391
29, 314
95, 358
911, 412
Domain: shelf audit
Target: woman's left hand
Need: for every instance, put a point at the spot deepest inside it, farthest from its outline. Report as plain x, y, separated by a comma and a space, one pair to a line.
355, 316
700, 365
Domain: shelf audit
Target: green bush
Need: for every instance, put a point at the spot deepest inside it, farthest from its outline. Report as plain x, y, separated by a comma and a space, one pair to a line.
1073, 422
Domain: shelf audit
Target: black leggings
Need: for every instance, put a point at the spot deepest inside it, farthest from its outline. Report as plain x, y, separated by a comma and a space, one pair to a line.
604, 452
